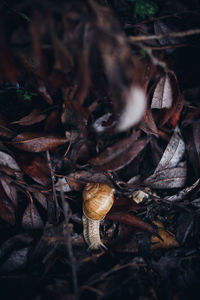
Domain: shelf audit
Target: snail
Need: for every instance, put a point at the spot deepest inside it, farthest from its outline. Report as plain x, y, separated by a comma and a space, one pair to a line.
98, 199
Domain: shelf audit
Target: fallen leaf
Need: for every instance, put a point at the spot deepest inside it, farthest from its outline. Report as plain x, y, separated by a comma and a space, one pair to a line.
176, 110
120, 154
21, 240
5, 132
41, 198
9, 189
17, 261
168, 239
183, 193
33, 118
168, 178
7, 209
36, 142
162, 96
131, 220
8, 161
35, 166
172, 154
31, 218
192, 138
148, 124
172, 114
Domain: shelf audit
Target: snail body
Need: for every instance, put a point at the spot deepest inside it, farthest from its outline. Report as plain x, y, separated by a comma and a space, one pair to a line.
98, 199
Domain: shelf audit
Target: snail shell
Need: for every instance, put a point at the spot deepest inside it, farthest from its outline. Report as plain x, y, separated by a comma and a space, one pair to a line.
98, 199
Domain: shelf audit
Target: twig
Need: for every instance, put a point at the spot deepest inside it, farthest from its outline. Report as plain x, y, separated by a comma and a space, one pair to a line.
70, 142
142, 38
69, 245
55, 201
154, 59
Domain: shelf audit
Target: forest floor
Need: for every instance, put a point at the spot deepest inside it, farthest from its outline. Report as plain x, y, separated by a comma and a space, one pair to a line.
66, 75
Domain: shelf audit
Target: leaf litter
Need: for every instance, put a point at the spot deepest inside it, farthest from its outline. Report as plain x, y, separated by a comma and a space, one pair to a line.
85, 98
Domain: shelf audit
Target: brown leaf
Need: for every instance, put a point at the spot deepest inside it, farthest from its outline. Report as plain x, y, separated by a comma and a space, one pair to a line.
36, 142
6, 132
33, 118
176, 110
35, 166
168, 239
162, 96
148, 124
77, 179
120, 154
131, 220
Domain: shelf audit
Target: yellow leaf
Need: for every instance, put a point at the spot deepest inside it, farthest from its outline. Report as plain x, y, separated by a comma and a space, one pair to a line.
168, 238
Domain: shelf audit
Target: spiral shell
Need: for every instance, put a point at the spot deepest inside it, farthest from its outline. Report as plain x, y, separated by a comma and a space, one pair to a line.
97, 201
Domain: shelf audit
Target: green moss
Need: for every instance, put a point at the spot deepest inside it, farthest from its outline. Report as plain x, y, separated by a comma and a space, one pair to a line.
26, 95
144, 8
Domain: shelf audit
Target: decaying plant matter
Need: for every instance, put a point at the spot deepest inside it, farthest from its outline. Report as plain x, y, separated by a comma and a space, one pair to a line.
93, 98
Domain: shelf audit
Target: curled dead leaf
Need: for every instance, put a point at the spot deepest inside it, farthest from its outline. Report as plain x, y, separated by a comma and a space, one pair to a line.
162, 97
173, 153
168, 239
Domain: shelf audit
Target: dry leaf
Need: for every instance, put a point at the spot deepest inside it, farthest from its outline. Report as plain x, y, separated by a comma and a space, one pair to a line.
8, 161
183, 193
31, 218
120, 154
34, 117
168, 238
35, 166
162, 96
168, 178
36, 142
173, 153
7, 209
9, 189
131, 220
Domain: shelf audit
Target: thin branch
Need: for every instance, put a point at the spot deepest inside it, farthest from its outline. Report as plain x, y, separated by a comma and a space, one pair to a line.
67, 237
55, 201
142, 38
